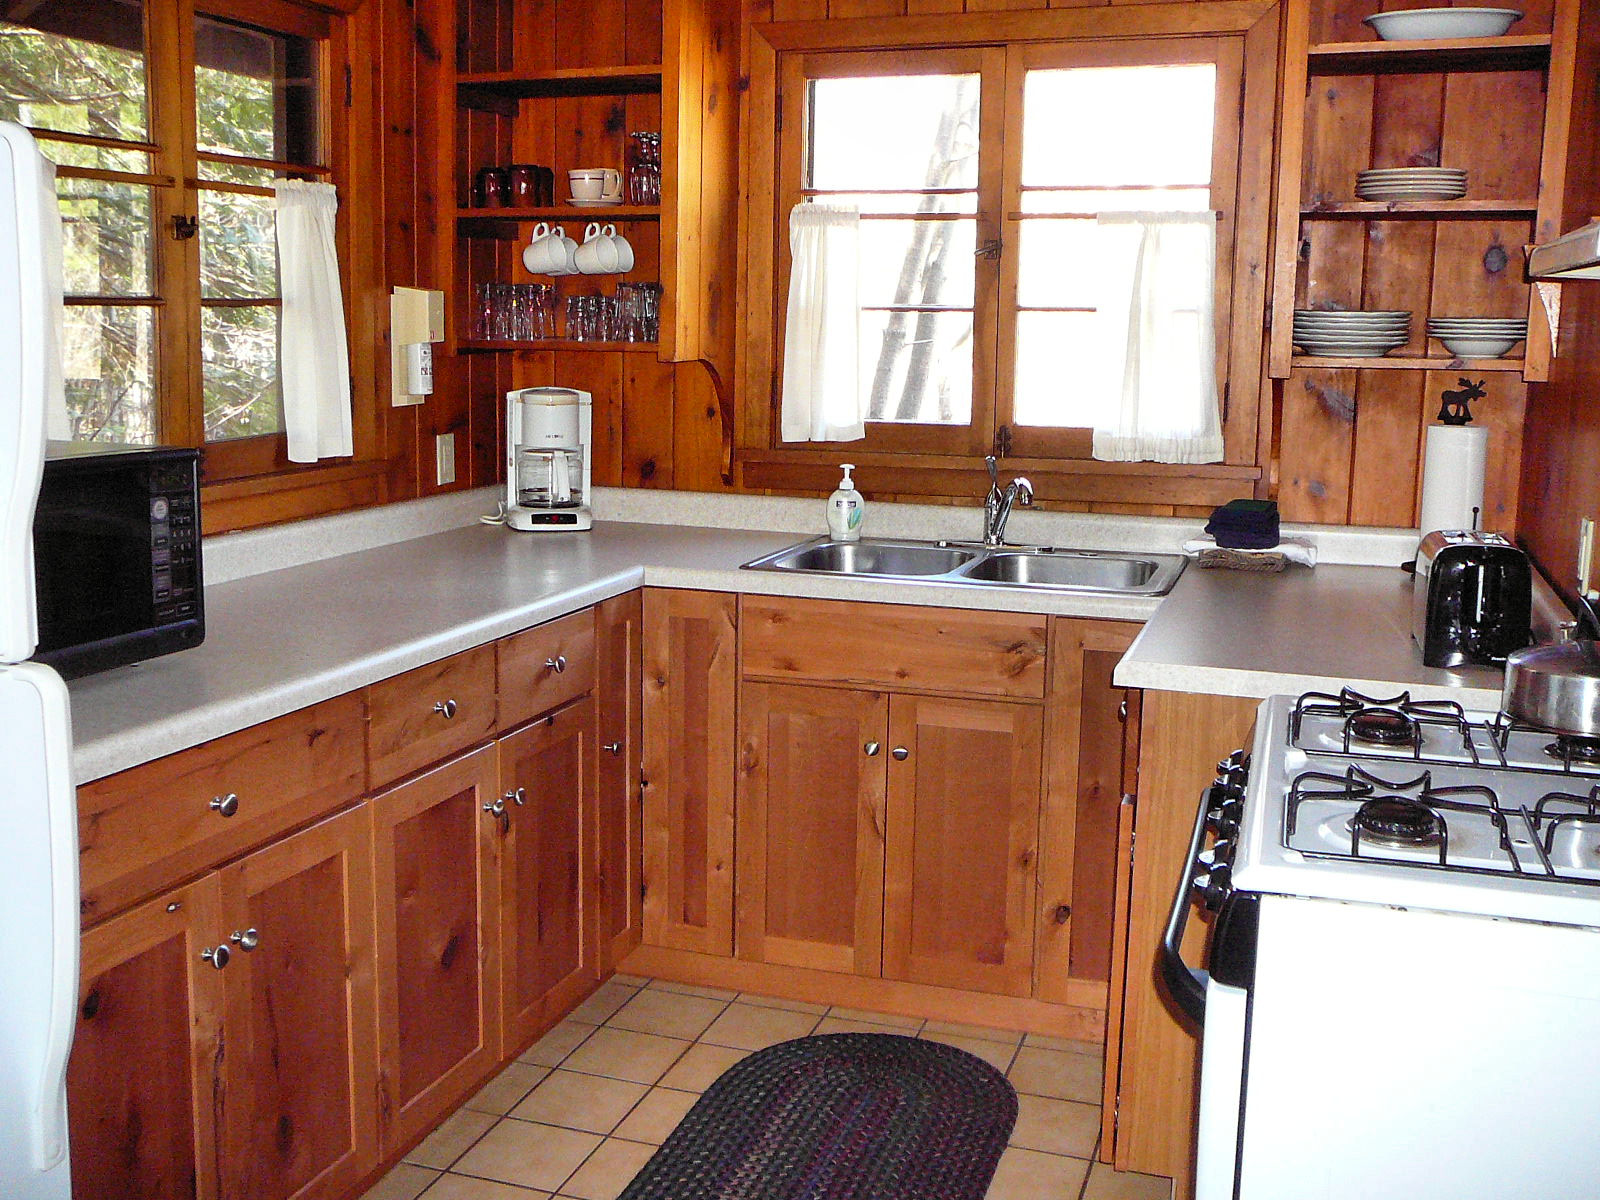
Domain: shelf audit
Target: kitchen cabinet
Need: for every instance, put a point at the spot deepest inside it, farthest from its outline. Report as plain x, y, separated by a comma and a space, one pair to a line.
437, 881
812, 794
618, 881
690, 679
225, 1041
545, 826
431, 712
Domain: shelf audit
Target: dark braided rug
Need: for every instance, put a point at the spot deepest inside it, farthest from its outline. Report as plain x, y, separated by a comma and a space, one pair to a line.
839, 1116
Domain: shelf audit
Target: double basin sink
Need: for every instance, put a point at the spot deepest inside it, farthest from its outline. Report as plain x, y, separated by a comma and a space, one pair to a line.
1032, 567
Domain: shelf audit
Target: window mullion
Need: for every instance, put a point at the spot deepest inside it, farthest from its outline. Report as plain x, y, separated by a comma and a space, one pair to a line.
171, 77
995, 274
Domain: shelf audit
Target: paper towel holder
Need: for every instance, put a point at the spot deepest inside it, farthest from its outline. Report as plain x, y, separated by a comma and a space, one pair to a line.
1454, 408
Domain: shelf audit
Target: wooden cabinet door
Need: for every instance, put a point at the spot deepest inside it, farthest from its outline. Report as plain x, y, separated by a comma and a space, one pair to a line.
301, 1061
963, 833
1088, 727
436, 878
690, 680
618, 862
811, 826
141, 1079
546, 959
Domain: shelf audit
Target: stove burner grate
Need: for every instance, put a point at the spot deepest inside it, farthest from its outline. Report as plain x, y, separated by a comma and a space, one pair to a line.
1398, 721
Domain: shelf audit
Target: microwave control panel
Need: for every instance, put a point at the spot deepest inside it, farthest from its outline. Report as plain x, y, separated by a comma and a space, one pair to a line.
174, 543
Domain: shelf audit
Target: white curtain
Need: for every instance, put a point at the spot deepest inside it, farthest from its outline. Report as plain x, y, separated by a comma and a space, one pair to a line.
57, 425
822, 395
1158, 328
313, 354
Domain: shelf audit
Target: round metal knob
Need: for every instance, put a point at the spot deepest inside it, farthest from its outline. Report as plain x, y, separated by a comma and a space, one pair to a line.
246, 941
612, 747
497, 809
872, 749
217, 957
557, 664
446, 708
226, 805
519, 795
900, 753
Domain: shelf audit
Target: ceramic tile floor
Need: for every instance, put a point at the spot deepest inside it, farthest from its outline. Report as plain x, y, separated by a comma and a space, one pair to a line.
584, 1108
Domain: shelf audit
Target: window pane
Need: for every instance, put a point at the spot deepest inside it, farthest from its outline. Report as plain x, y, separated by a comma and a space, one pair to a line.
1118, 125
239, 371
917, 366
1130, 199
1044, 393
232, 172
917, 262
75, 65
101, 158
255, 93
238, 247
900, 132
108, 353
107, 243
900, 203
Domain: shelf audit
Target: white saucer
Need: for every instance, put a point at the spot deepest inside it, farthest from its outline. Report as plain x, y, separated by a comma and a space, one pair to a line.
595, 203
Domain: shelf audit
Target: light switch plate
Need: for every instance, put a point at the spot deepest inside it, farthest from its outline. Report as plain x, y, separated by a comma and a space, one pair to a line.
444, 446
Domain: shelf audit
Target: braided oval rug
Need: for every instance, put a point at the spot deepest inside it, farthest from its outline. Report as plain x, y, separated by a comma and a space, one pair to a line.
839, 1116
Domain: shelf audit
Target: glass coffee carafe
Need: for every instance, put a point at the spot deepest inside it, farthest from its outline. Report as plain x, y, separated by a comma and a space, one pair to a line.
550, 478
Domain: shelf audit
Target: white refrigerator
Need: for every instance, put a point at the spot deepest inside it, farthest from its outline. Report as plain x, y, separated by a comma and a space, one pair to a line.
38, 810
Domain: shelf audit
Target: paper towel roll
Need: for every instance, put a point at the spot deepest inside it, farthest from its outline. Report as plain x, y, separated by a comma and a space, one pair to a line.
1452, 476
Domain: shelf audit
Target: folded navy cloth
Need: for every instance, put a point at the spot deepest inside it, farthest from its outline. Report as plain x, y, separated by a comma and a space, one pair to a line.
1245, 524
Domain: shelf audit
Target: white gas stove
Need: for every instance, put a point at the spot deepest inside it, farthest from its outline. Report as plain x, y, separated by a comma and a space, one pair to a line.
1407, 951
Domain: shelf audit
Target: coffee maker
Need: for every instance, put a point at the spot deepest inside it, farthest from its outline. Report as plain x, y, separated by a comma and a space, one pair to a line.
548, 460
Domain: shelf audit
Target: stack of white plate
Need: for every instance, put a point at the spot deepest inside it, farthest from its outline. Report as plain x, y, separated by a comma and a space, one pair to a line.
1478, 337
1411, 183
1350, 334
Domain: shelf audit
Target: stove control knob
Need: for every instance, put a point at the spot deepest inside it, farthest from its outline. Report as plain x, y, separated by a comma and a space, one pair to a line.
1218, 886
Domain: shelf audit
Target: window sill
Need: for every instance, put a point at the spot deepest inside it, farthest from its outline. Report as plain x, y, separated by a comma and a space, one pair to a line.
1085, 481
309, 491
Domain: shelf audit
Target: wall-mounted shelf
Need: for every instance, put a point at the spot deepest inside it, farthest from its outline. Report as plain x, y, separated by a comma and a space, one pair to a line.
1448, 54
502, 222
498, 91
1408, 364
482, 347
1426, 210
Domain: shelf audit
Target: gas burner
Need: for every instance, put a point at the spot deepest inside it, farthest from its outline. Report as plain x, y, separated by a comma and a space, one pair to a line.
1384, 727
1395, 821
1570, 748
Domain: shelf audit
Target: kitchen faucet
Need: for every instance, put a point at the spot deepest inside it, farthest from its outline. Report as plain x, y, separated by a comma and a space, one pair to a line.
997, 504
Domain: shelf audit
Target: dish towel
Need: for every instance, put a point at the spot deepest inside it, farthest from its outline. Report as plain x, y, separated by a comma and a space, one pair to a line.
1245, 524
1206, 553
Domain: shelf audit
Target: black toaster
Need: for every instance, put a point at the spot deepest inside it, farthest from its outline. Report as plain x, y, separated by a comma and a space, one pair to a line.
1473, 598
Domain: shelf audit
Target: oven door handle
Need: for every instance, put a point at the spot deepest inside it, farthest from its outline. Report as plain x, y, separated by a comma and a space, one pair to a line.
1186, 984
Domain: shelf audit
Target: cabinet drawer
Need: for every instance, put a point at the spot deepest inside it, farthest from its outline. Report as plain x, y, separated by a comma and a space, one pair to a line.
546, 666
429, 713
145, 828
894, 646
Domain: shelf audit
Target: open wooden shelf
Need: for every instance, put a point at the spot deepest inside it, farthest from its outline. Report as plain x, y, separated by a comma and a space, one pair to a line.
1427, 210
501, 222
1407, 364
482, 347
1445, 54
566, 81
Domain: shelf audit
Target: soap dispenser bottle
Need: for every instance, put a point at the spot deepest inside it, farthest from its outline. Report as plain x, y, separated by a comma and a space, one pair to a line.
846, 508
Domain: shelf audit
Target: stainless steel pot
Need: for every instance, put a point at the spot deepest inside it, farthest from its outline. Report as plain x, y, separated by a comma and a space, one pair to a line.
1555, 687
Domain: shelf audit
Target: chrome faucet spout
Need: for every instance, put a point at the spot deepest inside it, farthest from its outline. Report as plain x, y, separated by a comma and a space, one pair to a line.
997, 504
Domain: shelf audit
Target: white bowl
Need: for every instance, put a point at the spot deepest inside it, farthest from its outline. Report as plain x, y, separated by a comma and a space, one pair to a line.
1420, 24
1478, 347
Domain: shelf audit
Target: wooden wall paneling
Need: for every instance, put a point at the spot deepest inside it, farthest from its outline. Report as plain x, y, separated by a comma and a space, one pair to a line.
1477, 269
647, 421
1338, 138
1384, 469
590, 33
708, 330
589, 133
397, 50
1563, 105
1492, 126
682, 176
799, 10
483, 35
844, 9
698, 451
642, 33
923, 7
599, 373
1399, 255
1319, 415
534, 35
1289, 188
1502, 413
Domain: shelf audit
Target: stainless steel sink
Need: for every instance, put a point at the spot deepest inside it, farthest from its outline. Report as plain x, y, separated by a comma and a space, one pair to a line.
1034, 568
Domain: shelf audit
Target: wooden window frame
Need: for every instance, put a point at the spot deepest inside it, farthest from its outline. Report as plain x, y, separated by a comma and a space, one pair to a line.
1250, 29
249, 481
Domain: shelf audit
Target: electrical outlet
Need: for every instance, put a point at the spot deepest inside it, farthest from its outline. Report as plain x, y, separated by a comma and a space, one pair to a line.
1586, 558
444, 447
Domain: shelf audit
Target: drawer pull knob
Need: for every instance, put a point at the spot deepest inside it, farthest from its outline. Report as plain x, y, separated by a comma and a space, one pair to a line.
446, 708
519, 795
612, 747
246, 941
498, 808
872, 749
557, 664
217, 957
900, 753
226, 805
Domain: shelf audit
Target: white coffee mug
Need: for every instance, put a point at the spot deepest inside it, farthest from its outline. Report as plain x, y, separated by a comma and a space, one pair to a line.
597, 255
550, 251
622, 246
596, 184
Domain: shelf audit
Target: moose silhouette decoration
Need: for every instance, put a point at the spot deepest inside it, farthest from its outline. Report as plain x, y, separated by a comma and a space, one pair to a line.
1454, 410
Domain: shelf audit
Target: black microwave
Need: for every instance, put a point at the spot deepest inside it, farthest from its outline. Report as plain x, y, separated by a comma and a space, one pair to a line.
116, 546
